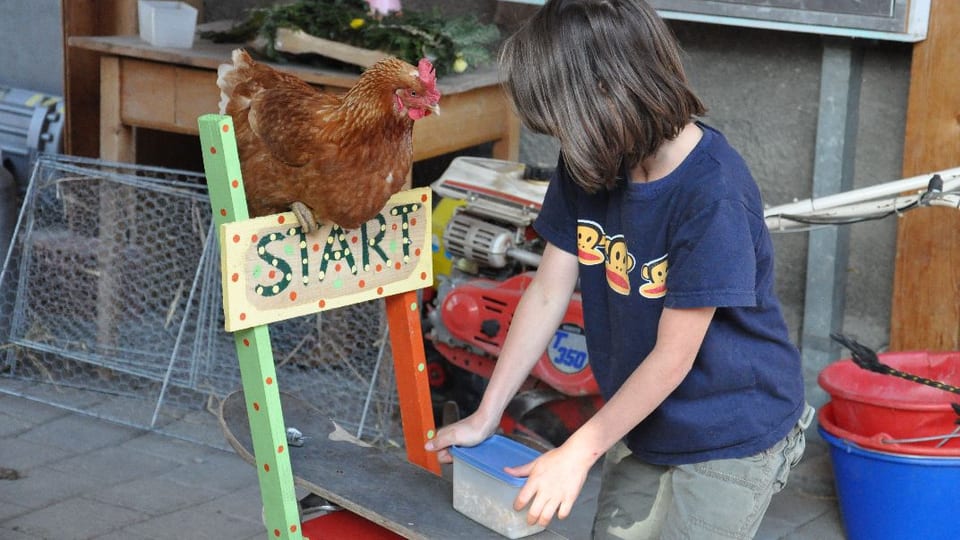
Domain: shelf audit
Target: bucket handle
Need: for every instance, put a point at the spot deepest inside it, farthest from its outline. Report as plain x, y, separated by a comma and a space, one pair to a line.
944, 439
867, 359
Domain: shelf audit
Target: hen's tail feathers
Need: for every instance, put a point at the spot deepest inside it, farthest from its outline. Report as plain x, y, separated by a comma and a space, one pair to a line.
229, 75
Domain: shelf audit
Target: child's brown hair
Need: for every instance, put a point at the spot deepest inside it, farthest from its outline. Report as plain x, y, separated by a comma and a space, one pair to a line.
602, 76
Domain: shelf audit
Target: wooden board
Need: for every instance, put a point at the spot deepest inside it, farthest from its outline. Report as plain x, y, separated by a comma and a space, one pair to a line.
167, 89
299, 42
926, 297
376, 484
897, 20
81, 81
209, 55
272, 271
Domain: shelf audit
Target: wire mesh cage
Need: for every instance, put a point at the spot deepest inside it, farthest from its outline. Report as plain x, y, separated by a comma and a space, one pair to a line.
110, 305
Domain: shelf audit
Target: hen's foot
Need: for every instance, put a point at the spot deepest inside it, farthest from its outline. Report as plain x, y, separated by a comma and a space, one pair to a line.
304, 216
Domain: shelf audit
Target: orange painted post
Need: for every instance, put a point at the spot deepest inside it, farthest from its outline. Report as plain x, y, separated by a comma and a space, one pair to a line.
413, 388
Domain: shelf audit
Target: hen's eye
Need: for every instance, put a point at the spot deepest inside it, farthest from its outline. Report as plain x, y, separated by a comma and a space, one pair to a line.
413, 93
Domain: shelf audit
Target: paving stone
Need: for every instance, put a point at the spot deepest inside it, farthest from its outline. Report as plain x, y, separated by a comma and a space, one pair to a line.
807, 499
44, 486
217, 470
32, 412
825, 527
9, 510
200, 522
243, 504
796, 507
61, 396
200, 426
115, 464
11, 425
166, 447
814, 476
125, 534
76, 518
137, 410
774, 528
23, 455
79, 433
13, 534
154, 496
119, 482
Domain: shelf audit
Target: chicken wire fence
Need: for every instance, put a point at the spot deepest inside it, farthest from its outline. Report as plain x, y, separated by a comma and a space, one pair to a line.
110, 305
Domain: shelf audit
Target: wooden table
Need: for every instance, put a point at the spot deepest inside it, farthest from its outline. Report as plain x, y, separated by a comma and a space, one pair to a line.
142, 86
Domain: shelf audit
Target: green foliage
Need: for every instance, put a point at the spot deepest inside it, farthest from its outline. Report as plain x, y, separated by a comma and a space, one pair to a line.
452, 44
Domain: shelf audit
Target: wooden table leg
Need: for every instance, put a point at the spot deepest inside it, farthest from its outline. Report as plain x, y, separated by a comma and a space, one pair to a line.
508, 147
117, 141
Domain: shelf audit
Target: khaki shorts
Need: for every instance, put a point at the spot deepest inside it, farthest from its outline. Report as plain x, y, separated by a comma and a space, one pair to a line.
724, 498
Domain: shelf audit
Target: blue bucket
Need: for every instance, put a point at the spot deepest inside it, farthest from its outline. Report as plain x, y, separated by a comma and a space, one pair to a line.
886, 496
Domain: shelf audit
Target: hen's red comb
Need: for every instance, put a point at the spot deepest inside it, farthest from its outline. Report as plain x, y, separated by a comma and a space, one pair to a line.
427, 74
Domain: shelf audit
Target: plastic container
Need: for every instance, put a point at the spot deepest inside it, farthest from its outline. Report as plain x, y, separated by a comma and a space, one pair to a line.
485, 493
889, 496
884, 442
867, 403
167, 24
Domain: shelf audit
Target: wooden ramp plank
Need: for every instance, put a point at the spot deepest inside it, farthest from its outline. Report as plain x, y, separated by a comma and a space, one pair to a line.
379, 485
925, 312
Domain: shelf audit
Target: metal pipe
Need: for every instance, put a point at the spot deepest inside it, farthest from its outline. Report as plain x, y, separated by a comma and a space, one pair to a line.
951, 179
528, 258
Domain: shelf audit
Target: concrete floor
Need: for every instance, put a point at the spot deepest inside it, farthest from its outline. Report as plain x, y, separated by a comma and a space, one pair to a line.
84, 478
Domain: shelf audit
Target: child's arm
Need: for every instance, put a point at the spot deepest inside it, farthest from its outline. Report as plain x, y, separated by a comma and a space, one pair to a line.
534, 323
555, 479
679, 336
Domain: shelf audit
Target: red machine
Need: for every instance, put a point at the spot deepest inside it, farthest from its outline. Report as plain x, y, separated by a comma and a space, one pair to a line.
485, 250
478, 312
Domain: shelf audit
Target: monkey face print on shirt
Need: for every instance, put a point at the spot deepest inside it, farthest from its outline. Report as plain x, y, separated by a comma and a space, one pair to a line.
595, 247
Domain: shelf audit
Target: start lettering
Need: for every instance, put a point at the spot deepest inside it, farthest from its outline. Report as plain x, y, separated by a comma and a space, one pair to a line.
376, 237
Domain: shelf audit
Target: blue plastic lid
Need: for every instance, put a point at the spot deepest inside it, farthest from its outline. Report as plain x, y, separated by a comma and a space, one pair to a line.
495, 453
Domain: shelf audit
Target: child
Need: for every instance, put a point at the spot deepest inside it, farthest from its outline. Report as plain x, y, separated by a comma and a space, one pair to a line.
662, 224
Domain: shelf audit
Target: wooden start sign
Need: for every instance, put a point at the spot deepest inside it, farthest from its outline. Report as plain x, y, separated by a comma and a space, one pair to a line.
273, 271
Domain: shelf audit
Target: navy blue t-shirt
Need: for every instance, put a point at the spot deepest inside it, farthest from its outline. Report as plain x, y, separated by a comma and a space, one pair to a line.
695, 238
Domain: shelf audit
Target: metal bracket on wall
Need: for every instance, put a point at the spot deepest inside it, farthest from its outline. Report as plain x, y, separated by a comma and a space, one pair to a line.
827, 253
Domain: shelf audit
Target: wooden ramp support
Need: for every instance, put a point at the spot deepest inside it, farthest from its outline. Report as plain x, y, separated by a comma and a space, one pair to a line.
252, 301
925, 313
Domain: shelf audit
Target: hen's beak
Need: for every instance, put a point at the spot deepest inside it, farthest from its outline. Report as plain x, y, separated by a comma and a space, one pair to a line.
435, 108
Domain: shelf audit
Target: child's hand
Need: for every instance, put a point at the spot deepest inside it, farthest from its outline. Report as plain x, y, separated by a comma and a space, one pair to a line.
554, 481
470, 431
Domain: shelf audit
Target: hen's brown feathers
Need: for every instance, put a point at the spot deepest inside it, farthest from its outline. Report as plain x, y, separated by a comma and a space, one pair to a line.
341, 155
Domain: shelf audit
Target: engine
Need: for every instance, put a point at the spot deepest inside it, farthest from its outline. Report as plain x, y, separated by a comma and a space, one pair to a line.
485, 252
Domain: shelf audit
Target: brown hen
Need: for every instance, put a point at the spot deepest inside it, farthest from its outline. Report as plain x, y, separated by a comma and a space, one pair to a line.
332, 158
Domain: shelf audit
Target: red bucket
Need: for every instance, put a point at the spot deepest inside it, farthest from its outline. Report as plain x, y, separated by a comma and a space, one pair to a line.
866, 403
883, 442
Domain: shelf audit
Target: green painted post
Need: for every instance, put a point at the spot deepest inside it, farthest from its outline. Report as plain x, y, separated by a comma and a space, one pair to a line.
257, 371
